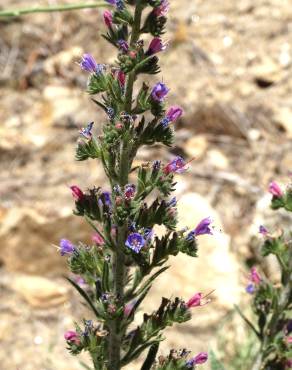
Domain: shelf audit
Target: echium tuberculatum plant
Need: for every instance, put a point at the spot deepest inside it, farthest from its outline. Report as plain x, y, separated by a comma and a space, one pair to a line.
272, 303
116, 272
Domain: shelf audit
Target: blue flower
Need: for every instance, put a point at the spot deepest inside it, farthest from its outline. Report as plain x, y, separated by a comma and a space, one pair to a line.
106, 198
123, 45
172, 202
135, 241
86, 132
177, 165
203, 228
66, 247
250, 288
129, 191
89, 64
159, 92
119, 3
156, 165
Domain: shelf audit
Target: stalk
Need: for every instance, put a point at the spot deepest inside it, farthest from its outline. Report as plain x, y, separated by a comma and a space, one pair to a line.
57, 8
119, 257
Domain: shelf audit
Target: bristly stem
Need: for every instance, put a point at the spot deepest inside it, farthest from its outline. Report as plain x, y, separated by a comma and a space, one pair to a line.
57, 8
115, 334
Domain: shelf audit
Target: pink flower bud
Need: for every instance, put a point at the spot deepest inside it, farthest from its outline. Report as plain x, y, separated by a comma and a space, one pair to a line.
121, 77
195, 300
72, 337
97, 239
275, 190
128, 308
254, 276
119, 126
201, 358
108, 18
174, 113
77, 192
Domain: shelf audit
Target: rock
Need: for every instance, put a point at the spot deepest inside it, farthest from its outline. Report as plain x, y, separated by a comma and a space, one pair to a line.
196, 146
217, 159
266, 73
216, 269
40, 292
217, 118
283, 117
27, 239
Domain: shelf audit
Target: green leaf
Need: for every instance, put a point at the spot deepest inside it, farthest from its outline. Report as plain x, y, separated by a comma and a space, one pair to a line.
87, 149
250, 324
150, 357
85, 296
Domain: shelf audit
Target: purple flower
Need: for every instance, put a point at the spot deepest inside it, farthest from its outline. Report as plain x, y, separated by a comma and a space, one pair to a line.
172, 202
201, 358
263, 230
129, 191
162, 9
86, 132
119, 3
135, 241
66, 247
89, 64
105, 198
156, 45
250, 288
275, 190
159, 92
80, 281
177, 165
123, 45
203, 227
148, 234
108, 18
172, 115
156, 165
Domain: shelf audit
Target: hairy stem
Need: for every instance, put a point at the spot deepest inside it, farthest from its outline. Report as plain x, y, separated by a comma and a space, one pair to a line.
58, 8
115, 335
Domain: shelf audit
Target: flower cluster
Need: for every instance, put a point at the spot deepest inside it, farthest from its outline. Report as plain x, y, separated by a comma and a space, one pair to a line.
115, 270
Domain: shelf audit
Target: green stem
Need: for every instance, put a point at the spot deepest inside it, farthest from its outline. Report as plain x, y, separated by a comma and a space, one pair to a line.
115, 334
58, 8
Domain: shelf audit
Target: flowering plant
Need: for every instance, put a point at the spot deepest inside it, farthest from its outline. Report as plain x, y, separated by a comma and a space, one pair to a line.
116, 272
272, 303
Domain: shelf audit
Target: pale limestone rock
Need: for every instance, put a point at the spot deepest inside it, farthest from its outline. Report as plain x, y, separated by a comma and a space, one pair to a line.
39, 292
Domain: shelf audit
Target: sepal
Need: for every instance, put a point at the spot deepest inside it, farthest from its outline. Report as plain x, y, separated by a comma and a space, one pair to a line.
151, 178
87, 149
154, 132
122, 17
154, 25
97, 83
158, 213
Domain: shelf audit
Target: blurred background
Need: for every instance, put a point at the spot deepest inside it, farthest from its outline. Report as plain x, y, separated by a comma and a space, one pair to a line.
229, 66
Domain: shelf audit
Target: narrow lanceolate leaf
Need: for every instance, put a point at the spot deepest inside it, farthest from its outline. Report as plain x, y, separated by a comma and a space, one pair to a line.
85, 296
150, 357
